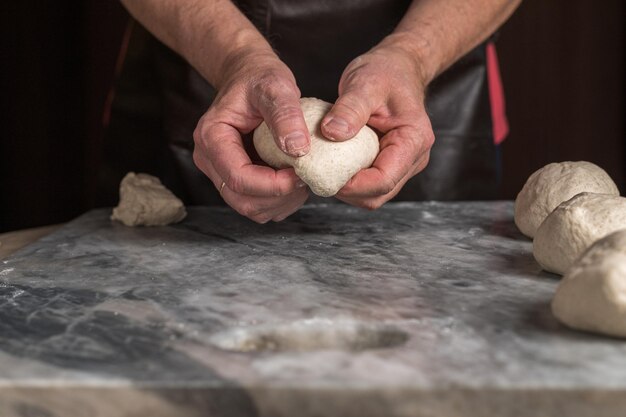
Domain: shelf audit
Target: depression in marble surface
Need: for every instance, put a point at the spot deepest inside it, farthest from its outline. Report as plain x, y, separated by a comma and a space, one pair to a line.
415, 309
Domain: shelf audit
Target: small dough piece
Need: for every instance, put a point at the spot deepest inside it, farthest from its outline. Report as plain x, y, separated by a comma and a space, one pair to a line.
574, 226
144, 201
329, 165
592, 296
553, 184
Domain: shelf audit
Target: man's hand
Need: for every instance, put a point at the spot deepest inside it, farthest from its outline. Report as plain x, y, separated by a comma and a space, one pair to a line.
253, 84
265, 90
384, 89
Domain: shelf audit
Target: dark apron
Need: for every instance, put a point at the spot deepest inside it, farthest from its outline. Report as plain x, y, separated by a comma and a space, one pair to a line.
159, 99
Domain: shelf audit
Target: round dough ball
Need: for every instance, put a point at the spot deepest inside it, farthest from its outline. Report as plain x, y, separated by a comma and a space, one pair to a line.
551, 185
574, 226
329, 165
592, 296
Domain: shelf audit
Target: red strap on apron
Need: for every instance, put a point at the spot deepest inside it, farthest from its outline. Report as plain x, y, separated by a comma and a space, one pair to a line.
496, 96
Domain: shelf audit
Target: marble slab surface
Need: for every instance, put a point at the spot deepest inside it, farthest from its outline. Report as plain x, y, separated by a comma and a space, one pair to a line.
417, 309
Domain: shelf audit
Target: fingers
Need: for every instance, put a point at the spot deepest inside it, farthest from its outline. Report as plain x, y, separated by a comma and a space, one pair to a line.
349, 114
401, 150
278, 101
258, 209
375, 202
264, 209
259, 192
232, 164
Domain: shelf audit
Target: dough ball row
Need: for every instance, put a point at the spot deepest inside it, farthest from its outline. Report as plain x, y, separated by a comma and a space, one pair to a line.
553, 184
578, 221
592, 295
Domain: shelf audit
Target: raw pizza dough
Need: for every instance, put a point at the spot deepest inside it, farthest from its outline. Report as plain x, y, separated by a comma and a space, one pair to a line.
592, 296
329, 165
144, 201
548, 187
574, 226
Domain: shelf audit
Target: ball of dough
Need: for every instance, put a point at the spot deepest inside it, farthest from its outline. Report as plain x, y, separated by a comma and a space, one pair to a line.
551, 185
574, 226
329, 165
592, 296
144, 201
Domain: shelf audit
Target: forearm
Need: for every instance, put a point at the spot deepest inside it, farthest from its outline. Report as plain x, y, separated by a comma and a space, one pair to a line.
436, 33
209, 34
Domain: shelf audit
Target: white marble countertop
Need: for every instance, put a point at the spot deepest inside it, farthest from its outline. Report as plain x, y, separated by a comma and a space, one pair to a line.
417, 309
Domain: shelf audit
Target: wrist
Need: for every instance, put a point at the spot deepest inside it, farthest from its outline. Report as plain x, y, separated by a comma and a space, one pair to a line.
241, 63
215, 37
416, 51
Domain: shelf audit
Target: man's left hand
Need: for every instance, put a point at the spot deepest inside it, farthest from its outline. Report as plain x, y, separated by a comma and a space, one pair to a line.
384, 89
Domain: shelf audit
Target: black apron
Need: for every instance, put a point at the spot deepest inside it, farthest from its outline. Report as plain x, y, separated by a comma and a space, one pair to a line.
159, 98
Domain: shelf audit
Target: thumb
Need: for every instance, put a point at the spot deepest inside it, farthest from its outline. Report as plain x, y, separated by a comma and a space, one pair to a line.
283, 116
348, 115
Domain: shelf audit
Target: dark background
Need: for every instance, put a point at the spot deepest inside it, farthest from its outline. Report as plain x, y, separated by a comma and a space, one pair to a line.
562, 66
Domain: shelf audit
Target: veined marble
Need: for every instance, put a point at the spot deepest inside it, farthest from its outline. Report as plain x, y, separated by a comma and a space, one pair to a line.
417, 309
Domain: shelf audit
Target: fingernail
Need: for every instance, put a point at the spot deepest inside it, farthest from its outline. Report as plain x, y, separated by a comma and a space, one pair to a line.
296, 143
338, 125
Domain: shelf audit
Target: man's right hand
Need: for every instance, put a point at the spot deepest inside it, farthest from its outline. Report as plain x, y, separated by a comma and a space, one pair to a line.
255, 87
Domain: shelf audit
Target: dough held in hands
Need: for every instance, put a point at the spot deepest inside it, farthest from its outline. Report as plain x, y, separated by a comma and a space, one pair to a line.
329, 165
144, 201
574, 226
553, 184
592, 296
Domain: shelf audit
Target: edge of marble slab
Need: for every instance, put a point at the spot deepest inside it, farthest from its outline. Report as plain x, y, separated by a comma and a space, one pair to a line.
264, 402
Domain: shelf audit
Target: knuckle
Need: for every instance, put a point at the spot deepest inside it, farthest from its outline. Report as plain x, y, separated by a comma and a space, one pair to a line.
424, 161
371, 204
199, 132
280, 190
352, 77
261, 219
421, 141
235, 183
270, 86
257, 215
352, 108
203, 133
247, 209
196, 134
356, 73
386, 185
428, 138
197, 158
286, 112
282, 216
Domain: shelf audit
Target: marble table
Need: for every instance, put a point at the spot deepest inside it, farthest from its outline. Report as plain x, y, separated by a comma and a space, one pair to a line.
417, 309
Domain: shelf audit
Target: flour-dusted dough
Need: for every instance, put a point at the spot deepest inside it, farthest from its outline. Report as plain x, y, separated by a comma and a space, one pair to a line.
144, 201
592, 296
329, 165
574, 226
551, 185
